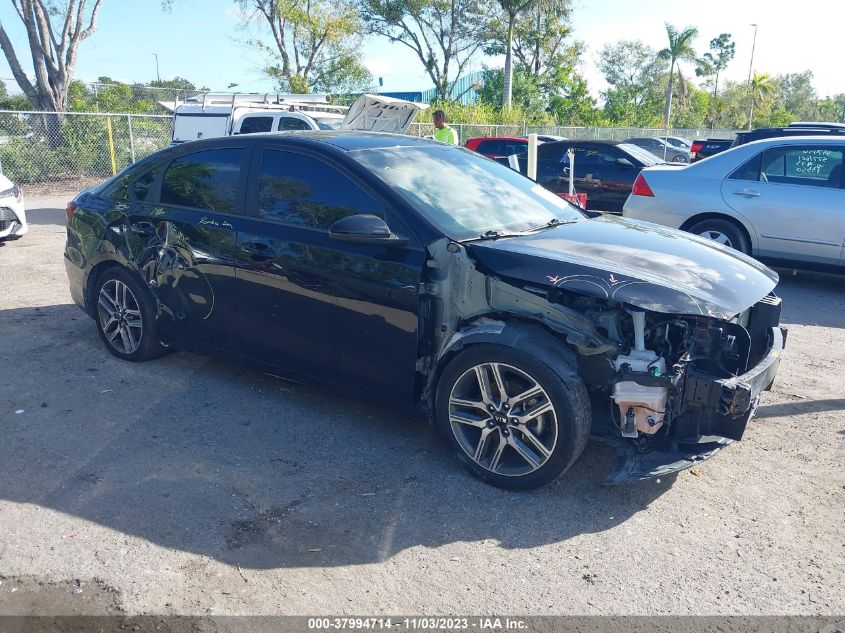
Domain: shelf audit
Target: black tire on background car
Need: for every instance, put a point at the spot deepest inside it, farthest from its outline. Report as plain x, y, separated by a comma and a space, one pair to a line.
725, 232
124, 312
512, 420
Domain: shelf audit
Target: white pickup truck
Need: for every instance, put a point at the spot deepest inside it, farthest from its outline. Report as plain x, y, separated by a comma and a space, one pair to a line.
213, 115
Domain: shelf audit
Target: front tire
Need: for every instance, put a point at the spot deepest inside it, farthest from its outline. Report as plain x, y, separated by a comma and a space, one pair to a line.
125, 316
512, 420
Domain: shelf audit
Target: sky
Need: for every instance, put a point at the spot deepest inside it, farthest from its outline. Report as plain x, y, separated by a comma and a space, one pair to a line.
202, 41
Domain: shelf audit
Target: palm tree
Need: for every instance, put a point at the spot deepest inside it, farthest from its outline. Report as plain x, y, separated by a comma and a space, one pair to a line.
679, 49
761, 86
512, 9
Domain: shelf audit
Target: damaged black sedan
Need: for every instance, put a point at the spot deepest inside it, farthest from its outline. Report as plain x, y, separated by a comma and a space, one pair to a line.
427, 275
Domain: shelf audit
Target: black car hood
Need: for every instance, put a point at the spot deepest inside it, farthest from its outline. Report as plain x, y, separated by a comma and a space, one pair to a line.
638, 263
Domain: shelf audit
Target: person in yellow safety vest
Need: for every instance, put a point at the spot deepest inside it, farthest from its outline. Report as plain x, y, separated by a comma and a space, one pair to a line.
443, 132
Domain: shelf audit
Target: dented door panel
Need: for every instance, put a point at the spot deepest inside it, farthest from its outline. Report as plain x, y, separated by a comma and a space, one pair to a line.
187, 258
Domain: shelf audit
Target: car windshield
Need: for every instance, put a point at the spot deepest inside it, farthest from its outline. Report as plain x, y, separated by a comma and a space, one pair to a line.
329, 123
644, 156
464, 194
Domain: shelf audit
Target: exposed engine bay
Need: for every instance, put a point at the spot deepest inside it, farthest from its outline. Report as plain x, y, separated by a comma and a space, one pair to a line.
661, 381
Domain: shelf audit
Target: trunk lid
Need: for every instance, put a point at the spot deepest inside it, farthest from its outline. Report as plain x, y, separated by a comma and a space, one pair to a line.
374, 113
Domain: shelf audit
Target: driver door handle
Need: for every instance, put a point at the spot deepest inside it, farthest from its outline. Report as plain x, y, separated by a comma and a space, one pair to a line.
748, 193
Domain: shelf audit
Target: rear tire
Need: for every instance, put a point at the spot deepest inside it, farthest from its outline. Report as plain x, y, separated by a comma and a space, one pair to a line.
523, 440
124, 311
725, 232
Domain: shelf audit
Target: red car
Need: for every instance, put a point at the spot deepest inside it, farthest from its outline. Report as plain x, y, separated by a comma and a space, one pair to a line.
499, 146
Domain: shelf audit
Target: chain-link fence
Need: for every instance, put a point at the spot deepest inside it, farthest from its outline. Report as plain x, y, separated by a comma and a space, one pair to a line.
45, 147
84, 147
469, 130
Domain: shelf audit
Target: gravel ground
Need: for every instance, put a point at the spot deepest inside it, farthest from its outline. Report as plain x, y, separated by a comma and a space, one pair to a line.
187, 486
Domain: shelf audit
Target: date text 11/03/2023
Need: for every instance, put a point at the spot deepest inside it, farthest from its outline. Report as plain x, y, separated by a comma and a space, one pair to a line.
478, 623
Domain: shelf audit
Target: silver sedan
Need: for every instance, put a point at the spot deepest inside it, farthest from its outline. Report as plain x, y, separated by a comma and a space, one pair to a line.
779, 199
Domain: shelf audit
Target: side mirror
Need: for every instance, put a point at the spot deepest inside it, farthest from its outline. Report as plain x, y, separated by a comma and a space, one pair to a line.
363, 228
624, 162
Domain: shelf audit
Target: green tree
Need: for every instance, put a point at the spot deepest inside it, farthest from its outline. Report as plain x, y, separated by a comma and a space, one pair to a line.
679, 49
795, 94
762, 88
12, 102
511, 9
570, 102
54, 32
527, 92
317, 44
714, 61
839, 104
691, 103
632, 70
540, 36
532, 31
444, 34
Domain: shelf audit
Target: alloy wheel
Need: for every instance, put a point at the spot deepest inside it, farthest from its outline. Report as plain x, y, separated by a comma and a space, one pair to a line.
503, 419
120, 316
717, 236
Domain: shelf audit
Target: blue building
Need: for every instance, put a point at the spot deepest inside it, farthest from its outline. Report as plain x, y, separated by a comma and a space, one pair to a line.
465, 90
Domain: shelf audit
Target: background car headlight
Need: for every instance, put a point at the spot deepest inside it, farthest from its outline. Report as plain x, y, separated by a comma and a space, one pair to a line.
15, 191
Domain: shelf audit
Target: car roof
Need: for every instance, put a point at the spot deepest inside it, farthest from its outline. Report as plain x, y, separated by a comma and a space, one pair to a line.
821, 124
571, 142
497, 138
343, 140
801, 130
799, 140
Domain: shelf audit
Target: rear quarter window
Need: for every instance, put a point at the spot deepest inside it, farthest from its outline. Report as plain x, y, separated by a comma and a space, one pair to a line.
142, 186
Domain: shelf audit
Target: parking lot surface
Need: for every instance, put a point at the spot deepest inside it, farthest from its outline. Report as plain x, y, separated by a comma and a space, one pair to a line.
186, 485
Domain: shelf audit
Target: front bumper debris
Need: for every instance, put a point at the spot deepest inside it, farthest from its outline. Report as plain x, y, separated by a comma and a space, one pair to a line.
722, 407
661, 459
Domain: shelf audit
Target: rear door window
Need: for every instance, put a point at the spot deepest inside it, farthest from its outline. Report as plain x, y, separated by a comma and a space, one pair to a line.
204, 180
810, 166
795, 165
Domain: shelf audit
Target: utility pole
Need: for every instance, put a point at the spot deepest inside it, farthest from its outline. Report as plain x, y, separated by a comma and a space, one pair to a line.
750, 67
158, 76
